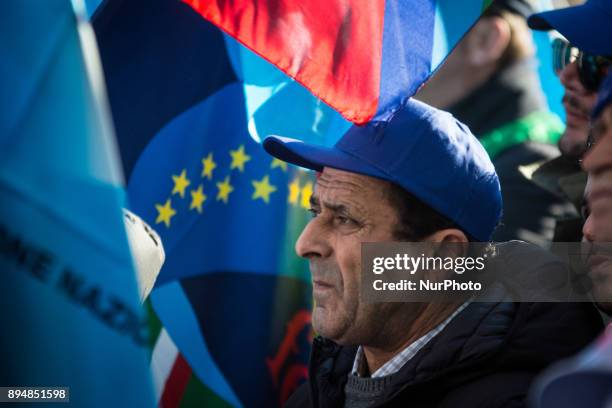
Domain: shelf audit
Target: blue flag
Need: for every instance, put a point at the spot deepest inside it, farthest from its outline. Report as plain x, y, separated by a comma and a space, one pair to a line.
68, 298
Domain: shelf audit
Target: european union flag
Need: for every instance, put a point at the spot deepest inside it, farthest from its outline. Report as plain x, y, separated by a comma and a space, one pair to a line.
226, 212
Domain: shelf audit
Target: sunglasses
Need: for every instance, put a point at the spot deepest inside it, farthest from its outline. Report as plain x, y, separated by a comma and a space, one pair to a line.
592, 69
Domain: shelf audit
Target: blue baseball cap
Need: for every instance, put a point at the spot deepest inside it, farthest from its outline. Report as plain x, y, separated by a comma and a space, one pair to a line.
424, 150
523, 8
604, 96
588, 26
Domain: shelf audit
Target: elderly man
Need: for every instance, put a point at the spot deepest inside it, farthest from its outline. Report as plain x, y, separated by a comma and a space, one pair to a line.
421, 177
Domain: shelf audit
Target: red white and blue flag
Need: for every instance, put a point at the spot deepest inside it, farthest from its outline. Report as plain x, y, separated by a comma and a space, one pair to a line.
362, 57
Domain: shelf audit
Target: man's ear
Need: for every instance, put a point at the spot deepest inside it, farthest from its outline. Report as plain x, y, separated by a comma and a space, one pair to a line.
488, 41
456, 238
449, 235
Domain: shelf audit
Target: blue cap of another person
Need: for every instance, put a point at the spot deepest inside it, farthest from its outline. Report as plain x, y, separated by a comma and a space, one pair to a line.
423, 150
588, 26
604, 96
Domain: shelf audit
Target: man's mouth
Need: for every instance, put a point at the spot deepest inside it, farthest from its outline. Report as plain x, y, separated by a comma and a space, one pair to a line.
574, 109
319, 285
595, 261
602, 193
599, 260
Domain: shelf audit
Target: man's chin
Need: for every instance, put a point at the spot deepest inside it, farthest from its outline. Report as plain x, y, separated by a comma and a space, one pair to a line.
573, 141
324, 324
320, 321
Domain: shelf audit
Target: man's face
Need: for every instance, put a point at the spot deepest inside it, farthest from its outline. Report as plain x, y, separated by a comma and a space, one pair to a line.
598, 225
578, 103
348, 209
598, 163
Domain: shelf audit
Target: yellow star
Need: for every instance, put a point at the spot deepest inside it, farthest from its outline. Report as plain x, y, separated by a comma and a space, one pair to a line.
197, 199
208, 165
239, 158
263, 189
294, 191
180, 183
225, 188
278, 163
306, 193
165, 213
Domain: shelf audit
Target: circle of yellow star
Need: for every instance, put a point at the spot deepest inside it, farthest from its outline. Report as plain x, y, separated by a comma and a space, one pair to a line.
294, 192
197, 199
165, 213
263, 189
306, 193
278, 163
208, 165
239, 158
225, 188
181, 182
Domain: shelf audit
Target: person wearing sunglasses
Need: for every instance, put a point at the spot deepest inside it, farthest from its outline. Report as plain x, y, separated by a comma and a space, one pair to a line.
581, 58
586, 379
581, 73
582, 61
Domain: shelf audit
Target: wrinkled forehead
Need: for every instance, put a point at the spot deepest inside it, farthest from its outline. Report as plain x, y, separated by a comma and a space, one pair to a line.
339, 185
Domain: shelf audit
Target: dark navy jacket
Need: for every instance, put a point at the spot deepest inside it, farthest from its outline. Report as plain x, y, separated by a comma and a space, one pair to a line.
487, 356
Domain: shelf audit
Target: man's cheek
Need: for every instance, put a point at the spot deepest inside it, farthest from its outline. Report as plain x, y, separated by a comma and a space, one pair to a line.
601, 213
602, 153
602, 290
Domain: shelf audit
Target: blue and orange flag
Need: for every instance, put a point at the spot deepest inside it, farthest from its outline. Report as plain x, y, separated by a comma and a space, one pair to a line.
231, 307
362, 57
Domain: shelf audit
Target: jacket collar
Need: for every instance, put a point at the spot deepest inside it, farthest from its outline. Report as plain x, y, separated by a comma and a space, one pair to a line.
456, 348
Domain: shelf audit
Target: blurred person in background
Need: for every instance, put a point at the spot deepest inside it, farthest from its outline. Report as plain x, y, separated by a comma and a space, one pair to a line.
586, 380
598, 198
490, 82
580, 60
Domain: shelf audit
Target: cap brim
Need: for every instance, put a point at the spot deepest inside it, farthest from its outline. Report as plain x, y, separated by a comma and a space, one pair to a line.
315, 157
571, 23
539, 22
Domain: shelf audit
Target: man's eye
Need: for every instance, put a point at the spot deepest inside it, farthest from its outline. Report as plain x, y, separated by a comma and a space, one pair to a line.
342, 220
313, 212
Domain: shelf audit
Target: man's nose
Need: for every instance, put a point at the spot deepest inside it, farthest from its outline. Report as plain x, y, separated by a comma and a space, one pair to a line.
569, 77
587, 230
313, 241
